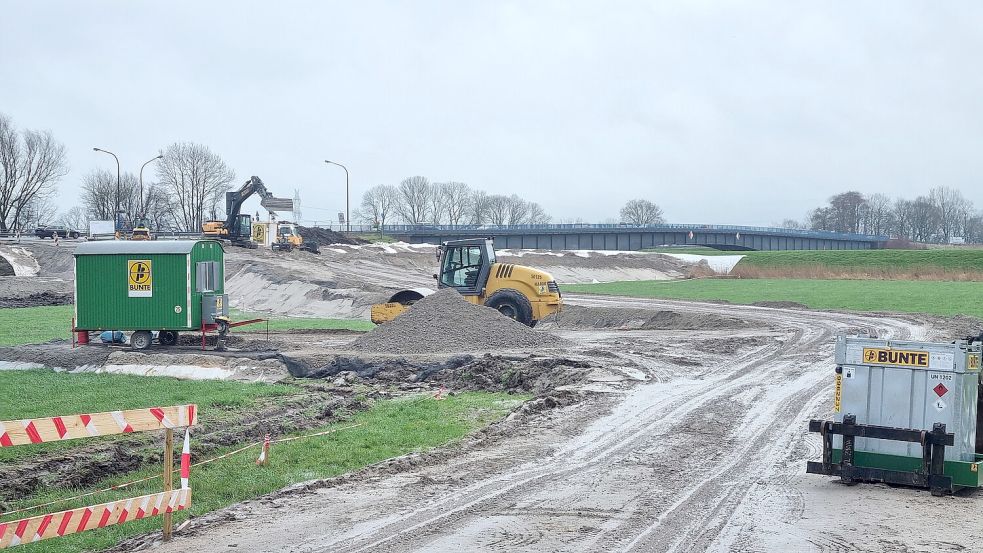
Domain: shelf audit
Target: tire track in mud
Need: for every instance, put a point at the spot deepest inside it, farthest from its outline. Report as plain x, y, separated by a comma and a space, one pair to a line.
707, 499
670, 468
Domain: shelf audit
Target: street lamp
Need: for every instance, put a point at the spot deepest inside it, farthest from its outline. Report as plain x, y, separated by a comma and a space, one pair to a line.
348, 217
117, 183
142, 214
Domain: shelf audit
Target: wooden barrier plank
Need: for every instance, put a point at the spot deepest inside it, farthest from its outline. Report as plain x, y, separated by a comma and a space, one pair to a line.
53, 429
73, 521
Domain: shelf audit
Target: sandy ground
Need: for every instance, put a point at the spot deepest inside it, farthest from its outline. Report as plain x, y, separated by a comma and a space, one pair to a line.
665, 426
705, 453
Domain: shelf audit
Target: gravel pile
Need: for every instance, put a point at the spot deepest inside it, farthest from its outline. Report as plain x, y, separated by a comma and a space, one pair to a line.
325, 237
445, 322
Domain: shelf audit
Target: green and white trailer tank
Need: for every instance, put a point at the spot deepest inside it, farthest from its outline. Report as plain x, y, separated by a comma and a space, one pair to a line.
143, 286
904, 412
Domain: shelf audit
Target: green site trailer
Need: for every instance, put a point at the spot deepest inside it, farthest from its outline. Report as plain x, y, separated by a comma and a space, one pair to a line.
143, 286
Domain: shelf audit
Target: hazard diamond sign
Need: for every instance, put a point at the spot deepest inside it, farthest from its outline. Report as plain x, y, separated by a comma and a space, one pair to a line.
940, 389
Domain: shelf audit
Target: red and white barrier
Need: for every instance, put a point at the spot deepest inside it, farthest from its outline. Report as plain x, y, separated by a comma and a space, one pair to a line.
54, 429
56, 525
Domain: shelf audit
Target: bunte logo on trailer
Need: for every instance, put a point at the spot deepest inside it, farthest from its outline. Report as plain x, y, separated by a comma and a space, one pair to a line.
902, 358
140, 278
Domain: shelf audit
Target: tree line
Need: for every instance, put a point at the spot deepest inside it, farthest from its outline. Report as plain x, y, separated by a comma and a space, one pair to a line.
944, 215
416, 200
187, 187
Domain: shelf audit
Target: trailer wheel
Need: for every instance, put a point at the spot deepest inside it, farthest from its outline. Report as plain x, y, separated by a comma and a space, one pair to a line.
167, 337
141, 339
512, 304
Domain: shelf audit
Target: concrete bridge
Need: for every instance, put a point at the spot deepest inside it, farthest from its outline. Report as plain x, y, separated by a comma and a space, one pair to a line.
639, 237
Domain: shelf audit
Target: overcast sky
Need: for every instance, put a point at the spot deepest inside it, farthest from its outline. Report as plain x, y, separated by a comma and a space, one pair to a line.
721, 112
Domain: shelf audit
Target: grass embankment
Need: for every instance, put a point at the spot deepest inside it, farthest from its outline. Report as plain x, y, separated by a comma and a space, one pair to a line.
932, 264
954, 265
387, 429
35, 325
940, 298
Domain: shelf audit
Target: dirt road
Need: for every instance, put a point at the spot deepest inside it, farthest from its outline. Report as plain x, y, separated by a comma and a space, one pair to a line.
702, 455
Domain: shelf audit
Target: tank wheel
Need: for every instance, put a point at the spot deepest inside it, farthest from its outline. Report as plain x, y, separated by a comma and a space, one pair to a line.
512, 304
141, 339
167, 337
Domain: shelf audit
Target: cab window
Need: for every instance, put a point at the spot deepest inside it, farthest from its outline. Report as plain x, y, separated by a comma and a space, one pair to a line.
461, 267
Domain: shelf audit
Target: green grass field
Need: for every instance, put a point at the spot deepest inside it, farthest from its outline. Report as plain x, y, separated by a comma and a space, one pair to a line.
44, 393
885, 260
35, 325
387, 429
940, 298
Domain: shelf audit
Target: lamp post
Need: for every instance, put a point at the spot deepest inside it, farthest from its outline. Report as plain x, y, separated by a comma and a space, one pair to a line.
348, 217
117, 224
142, 214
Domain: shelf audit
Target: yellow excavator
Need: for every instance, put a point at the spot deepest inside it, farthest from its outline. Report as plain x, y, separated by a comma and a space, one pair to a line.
469, 266
237, 227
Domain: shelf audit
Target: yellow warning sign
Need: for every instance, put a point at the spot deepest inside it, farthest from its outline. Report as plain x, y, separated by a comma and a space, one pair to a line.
899, 357
973, 363
838, 394
140, 278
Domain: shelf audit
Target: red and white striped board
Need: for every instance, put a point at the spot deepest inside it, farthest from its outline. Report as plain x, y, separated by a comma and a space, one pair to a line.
56, 525
53, 429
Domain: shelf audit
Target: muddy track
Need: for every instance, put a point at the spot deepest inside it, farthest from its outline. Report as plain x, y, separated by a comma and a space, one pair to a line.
681, 463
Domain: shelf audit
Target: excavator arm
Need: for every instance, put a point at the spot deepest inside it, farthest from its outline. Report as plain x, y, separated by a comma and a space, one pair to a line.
235, 198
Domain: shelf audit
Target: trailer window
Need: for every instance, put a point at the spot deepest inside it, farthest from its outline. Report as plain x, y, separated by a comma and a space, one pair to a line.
206, 276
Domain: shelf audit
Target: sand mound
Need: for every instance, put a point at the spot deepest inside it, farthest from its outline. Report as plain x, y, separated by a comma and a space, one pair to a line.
445, 322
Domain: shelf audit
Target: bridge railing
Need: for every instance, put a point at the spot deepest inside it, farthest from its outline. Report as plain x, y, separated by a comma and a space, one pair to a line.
666, 227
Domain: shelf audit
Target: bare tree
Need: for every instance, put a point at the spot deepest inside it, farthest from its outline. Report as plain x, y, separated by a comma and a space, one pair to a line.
924, 220
196, 179
537, 215
437, 204
31, 162
378, 204
477, 212
38, 211
456, 200
878, 215
952, 210
497, 209
641, 212
973, 231
846, 211
518, 210
414, 200
99, 195
75, 219
791, 224
158, 209
902, 215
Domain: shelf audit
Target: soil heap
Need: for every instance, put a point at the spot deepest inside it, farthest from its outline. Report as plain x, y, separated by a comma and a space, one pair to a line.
324, 237
445, 322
